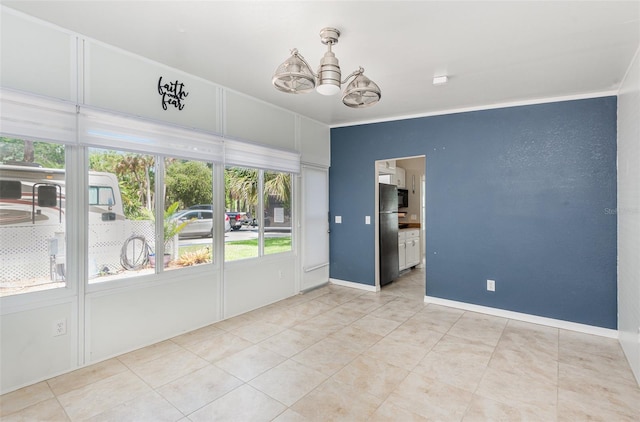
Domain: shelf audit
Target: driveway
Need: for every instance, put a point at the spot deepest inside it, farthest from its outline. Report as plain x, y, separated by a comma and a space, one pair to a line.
244, 233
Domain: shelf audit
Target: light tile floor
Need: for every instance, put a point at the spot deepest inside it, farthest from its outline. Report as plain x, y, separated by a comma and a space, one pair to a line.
343, 354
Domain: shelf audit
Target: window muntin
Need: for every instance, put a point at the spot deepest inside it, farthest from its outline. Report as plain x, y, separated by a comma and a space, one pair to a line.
32, 216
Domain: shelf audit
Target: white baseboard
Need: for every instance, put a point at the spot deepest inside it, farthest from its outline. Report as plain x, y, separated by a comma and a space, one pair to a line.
353, 285
534, 319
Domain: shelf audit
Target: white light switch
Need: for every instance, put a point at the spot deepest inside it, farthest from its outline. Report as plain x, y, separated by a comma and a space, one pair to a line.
491, 285
414, 217
338, 219
367, 219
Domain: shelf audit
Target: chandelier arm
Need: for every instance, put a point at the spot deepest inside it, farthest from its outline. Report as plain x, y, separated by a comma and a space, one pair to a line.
355, 73
297, 54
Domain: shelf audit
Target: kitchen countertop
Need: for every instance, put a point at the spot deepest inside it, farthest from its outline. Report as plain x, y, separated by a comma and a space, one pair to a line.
408, 226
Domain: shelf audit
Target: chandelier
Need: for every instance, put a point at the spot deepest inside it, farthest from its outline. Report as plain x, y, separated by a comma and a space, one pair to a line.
295, 76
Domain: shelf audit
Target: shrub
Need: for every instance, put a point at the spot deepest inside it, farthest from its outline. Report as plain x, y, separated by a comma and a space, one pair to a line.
200, 256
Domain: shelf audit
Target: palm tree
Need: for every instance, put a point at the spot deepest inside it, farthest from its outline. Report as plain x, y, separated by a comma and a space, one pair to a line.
278, 186
241, 185
241, 188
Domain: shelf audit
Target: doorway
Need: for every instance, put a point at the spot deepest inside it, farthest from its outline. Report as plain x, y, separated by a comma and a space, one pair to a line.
407, 174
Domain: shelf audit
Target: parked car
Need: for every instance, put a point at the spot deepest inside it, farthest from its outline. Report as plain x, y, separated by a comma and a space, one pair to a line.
238, 219
200, 223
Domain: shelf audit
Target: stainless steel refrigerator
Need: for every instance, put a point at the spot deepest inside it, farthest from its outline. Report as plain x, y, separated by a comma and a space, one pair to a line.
388, 230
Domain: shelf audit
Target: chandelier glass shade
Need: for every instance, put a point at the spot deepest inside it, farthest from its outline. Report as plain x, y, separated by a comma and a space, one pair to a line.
361, 92
295, 76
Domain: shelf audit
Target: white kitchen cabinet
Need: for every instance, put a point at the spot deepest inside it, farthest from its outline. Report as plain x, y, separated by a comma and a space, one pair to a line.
413, 248
389, 179
408, 248
387, 167
400, 178
402, 250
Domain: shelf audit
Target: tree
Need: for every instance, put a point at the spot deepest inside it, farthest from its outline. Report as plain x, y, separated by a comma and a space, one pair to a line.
189, 182
134, 178
241, 186
29, 152
46, 154
137, 168
278, 186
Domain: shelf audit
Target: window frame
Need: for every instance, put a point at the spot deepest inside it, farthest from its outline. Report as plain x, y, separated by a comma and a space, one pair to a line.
160, 275
79, 127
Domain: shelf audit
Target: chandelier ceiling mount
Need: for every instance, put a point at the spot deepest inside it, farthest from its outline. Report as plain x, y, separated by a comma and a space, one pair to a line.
295, 76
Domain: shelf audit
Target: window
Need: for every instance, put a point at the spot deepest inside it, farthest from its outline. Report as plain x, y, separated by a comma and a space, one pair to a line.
122, 215
277, 212
133, 199
121, 228
241, 203
32, 216
101, 195
251, 193
189, 190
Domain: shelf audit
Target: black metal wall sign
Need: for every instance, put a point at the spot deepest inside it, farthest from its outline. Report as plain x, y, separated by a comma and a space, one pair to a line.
173, 93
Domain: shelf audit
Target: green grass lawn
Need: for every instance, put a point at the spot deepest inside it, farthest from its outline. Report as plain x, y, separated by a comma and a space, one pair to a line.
242, 249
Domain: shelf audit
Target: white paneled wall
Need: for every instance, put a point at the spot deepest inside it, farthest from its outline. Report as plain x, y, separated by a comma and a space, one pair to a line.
39, 58
123, 320
248, 287
248, 118
629, 215
29, 348
312, 147
117, 80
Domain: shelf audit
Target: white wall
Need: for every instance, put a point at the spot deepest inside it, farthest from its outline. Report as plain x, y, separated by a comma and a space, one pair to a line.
311, 142
130, 318
247, 118
248, 287
30, 351
42, 59
117, 80
629, 215
37, 57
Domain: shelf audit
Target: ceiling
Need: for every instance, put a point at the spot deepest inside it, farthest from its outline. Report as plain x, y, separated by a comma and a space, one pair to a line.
493, 52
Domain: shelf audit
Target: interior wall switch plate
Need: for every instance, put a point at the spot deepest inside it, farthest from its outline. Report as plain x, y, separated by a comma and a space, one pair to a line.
338, 219
367, 219
491, 285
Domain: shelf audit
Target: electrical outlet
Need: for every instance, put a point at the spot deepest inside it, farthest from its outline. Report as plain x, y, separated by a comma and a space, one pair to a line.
491, 285
60, 327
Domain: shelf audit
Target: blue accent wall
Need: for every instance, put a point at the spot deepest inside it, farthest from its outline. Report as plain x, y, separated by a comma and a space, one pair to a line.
523, 195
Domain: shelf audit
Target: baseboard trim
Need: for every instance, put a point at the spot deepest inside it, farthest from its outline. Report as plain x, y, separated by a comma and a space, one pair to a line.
534, 319
353, 285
